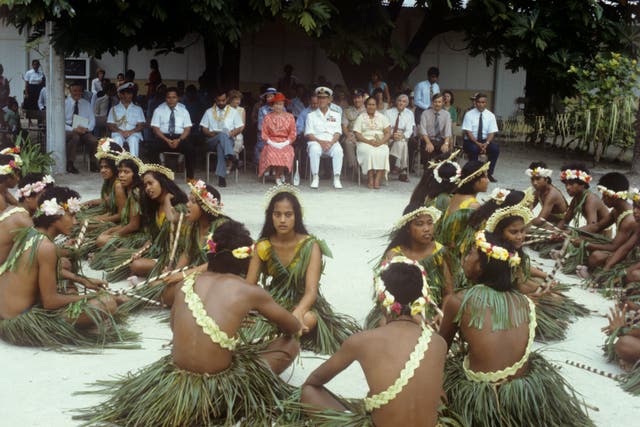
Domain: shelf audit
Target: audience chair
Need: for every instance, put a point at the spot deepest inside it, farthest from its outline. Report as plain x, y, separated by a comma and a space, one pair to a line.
179, 159
214, 154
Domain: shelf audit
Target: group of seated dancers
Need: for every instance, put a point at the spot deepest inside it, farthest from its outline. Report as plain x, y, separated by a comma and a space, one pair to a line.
457, 301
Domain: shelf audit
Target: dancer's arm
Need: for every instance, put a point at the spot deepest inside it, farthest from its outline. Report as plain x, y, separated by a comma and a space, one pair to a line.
337, 363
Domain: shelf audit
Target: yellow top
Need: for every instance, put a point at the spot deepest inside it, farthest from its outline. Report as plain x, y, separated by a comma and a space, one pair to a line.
264, 248
497, 376
16, 209
378, 400
160, 216
468, 202
208, 325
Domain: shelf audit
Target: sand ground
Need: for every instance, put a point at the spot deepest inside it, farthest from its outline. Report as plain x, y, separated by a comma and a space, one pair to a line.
38, 386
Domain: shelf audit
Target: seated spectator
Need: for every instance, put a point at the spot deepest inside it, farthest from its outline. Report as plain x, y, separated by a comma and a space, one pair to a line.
97, 84
447, 105
79, 123
322, 131
119, 80
126, 120
381, 104
373, 131
235, 98
102, 105
435, 130
401, 131
349, 116
279, 133
298, 103
262, 112
302, 117
221, 124
171, 124
480, 128
377, 83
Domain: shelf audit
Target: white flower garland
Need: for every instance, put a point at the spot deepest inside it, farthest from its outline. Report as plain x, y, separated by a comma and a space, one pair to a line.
616, 195
51, 207
535, 172
455, 178
499, 195
496, 252
569, 174
35, 187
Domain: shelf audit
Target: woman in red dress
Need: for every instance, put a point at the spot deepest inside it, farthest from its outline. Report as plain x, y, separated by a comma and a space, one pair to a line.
279, 133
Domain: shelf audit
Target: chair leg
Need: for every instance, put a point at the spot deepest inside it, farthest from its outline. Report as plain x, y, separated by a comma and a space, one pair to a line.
207, 166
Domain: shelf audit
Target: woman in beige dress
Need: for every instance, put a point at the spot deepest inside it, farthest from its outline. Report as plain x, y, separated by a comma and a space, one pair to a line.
372, 131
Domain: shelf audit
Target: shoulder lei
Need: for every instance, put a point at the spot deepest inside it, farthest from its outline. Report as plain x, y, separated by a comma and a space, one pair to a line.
26, 239
416, 356
619, 220
503, 374
16, 209
208, 325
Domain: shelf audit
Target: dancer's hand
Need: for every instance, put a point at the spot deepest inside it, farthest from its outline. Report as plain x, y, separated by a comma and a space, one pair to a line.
617, 319
298, 313
92, 283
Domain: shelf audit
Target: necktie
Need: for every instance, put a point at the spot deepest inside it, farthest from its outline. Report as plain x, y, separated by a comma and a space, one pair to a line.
436, 125
172, 122
430, 92
76, 110
480, 128
395, 126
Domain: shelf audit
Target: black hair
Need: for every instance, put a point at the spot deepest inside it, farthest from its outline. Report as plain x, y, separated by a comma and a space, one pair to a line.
153, 64
171, 89
215, 193
268, 229
436, 96
111, 163
137, 182
5, 159
377, 91
229, 236
433, 71
150, 207
614, 181
480, 215
404, 282
575, 166
497, 273
402, 237
31, 178
76, 83
480, 95
450, 93
428, 188
130, 74
542, 165
62, 195
468, 169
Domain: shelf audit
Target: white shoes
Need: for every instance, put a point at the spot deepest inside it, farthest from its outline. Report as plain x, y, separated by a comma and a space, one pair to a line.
315, 182
336, 182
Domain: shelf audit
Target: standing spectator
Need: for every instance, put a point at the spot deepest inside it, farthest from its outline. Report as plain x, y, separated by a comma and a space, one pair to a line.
180, 86
424, 91
279, 134
119, 80
377, 83
235, 98
221, 124
448, 105
192, 103
97, 83
412, 103
262, 112
79, 124
34, 80
322, 131
155, 78
480, 127
372, 130
381, 104
435, 130
349, 116
5, 89
12, 116
171, 124
401, 131
298, 103
126, 120
288, 81
130, 77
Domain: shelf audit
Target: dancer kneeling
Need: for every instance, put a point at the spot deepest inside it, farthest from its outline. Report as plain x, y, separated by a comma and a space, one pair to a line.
402, 361
501, 382
209, 378
33, 311
623, 345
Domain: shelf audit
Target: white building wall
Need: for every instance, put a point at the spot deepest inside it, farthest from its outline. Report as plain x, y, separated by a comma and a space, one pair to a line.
14, 58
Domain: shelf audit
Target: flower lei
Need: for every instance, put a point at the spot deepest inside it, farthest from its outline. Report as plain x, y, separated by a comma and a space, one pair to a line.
216, 117
499, 195
455, 178
242, 252
10, 151
12, 166
51, 207
568, 174
634, 194
496, 252
387, 300
35, 187
535, 172
211, 204
616, 195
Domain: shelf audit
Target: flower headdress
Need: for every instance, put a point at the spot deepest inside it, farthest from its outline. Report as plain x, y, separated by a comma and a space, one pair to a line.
152, 167
51, 207
520, 209
125, 155
104, 150
35, 187
14, 164
387, 300
535, 172
243, 252
613, 194
569, 174
499, 195
484, 168
282, 188
209, 202
432, 211
496, 252
437, 165
634, 194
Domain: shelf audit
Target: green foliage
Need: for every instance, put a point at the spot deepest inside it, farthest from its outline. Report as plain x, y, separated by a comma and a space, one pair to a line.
33, 158
606, 100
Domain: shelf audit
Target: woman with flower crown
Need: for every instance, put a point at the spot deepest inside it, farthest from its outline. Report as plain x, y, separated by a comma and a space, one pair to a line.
10, 164
498, 380
438, 182
34, 311
413, 237
292, 259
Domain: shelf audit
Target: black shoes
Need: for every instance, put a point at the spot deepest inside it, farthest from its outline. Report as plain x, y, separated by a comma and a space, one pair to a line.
492, 179
71, 168
222, 182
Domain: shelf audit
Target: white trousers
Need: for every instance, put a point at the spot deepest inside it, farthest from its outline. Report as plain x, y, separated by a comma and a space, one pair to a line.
133, 141
315, 152
400, 150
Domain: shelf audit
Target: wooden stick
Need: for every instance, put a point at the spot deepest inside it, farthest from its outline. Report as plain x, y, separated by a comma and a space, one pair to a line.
160, 277
175, 241
587, 368
81, 235
125, 293
133, 258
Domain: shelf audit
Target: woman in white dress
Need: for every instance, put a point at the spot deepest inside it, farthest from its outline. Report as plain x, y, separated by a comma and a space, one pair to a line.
372, 131
235, 98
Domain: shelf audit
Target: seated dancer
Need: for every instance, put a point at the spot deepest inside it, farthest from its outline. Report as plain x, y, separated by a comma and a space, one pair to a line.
623, 345
33, 310
628, 270
614, 187
501, 382
292, 258
403, 360
204, 215
412, 237
210, 378
438, 182
10, 165
554, 206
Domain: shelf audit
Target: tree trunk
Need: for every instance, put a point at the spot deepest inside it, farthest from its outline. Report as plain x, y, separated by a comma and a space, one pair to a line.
635, 161
222, 65
537, 93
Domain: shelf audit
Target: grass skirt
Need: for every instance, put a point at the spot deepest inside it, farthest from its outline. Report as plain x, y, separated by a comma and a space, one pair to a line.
50, 328
540, 398
162, 395
109, 256
554, 312
145, 291
631, 382
574, 257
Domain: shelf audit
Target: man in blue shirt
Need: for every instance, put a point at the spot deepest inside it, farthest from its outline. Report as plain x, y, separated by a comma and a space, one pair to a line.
424, 91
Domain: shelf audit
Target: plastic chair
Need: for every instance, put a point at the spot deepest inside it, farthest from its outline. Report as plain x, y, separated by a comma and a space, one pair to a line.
179, 158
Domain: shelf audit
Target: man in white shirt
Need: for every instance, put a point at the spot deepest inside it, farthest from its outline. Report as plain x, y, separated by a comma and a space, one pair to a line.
402, 124
221, 124
322, 131
171, 124
126, 120
79, 124
480, 127
424, 91
34, 80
